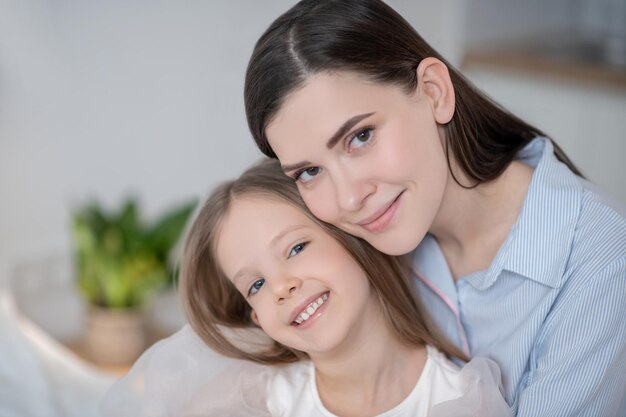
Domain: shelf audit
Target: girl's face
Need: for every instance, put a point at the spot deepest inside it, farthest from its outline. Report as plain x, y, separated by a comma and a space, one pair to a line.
305, 290
367, 157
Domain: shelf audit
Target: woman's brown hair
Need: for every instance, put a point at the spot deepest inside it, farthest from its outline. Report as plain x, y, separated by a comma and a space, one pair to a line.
212, 303
369, 38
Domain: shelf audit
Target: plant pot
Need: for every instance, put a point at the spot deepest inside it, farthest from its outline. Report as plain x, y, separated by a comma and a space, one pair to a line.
115, 336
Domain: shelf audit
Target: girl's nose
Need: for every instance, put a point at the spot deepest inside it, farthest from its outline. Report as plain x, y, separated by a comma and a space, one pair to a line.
285, 288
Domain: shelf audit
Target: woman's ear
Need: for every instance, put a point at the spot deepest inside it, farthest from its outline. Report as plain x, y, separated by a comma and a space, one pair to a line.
254, 318
434, 83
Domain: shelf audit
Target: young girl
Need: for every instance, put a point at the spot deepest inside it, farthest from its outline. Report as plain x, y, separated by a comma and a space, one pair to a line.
347, 335
517, 257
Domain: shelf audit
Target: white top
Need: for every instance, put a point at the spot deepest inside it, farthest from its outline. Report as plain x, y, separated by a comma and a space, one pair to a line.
181, 377
293, 391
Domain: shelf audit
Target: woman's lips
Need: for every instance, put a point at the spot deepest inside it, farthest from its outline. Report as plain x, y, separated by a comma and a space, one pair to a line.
382, 219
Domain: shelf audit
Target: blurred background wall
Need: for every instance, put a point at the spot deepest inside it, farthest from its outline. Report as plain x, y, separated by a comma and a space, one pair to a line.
103, 99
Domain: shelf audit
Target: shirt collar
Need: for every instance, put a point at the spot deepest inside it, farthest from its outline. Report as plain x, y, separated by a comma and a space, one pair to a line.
430, 266
539, 242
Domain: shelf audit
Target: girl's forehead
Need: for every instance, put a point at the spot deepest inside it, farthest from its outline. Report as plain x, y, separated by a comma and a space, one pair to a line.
258, 218
257, 228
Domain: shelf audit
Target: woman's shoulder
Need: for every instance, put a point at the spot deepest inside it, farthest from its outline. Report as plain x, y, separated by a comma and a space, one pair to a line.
599, 238
579, 227
600, 213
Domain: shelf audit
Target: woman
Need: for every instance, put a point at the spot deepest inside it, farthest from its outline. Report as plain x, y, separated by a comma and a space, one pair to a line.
517, 257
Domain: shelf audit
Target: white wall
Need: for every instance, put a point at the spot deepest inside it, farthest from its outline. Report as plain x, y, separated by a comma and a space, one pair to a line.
101, 99
106, 98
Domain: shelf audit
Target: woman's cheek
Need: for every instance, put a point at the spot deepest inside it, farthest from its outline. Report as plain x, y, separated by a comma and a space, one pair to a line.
321, 202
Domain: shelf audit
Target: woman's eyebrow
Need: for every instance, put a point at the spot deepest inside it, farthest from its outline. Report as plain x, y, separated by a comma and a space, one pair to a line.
294, 167
348, 124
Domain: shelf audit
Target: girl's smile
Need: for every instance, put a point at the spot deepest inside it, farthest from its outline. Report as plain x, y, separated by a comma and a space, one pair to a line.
306, 291
305, 317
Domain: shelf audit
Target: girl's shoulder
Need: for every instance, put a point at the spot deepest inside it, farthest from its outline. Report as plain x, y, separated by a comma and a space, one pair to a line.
441, 378
474, 389
292, 392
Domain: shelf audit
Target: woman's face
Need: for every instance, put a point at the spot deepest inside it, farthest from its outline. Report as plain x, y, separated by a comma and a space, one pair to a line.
305, 290
368, 157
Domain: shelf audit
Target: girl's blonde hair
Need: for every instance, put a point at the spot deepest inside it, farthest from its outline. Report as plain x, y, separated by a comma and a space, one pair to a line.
212, 302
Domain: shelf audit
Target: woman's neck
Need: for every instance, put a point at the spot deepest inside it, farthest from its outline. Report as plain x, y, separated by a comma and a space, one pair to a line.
472, 224
372, 376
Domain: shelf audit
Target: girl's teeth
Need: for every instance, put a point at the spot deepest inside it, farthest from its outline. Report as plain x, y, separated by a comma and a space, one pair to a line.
308, 312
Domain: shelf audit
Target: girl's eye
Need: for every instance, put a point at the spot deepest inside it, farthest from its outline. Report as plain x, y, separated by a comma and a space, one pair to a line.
362, 138
297, 249
306, 174
256, 286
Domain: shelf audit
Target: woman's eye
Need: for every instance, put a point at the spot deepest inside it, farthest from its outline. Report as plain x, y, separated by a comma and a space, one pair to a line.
256, 286
307, 174
361, 138
297, 249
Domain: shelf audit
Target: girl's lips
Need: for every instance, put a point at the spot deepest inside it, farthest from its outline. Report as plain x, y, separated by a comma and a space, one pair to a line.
313, 317
381, 220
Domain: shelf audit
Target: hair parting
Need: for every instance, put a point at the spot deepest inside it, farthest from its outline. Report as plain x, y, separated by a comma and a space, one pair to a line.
371, 39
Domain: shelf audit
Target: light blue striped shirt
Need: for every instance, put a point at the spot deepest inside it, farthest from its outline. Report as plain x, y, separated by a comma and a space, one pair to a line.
551, 308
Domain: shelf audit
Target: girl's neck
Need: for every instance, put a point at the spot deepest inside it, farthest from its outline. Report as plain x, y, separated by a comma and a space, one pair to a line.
377, 373
473, 223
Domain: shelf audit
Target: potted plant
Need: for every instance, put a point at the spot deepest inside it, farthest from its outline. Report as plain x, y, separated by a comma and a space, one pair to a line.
121, 260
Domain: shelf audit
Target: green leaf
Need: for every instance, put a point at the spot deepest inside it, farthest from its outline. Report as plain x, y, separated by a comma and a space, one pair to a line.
167, 231
119, 260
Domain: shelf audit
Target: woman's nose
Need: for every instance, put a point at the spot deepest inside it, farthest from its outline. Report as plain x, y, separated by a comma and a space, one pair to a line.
285, 288
352, 191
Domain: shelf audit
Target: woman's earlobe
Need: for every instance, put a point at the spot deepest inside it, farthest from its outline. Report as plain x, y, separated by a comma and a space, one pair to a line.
433, 81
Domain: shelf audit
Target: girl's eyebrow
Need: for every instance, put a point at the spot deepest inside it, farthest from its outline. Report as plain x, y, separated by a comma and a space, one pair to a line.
238, 277
284, 232
245, 270
343, 129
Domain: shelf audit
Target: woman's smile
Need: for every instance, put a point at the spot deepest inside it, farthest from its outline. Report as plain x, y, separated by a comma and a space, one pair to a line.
380, 220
